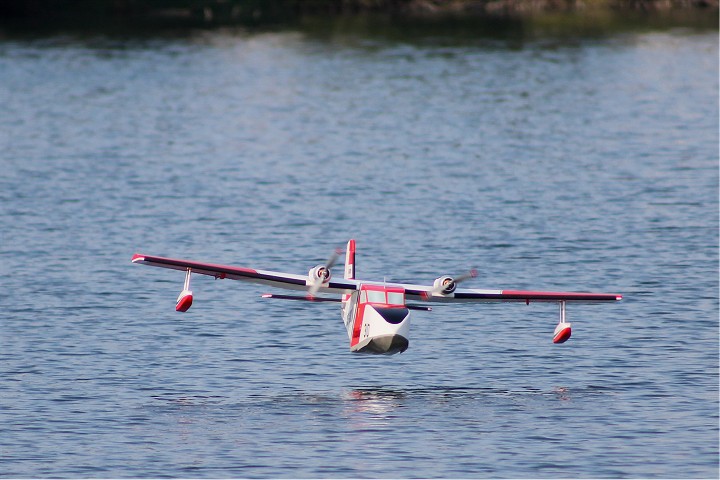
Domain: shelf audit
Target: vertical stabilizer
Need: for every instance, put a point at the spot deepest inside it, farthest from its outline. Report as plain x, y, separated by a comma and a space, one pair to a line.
350, 260
349, 301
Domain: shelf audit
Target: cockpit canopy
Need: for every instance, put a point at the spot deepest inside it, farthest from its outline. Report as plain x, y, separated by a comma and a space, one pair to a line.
383, 296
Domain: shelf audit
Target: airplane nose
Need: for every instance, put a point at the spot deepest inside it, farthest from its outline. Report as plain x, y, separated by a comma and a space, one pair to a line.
393, 315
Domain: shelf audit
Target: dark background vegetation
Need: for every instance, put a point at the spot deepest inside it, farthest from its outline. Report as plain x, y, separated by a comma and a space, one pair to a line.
258, 11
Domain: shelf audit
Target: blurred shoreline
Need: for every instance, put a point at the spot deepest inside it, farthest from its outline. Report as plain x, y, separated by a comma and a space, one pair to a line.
269, 11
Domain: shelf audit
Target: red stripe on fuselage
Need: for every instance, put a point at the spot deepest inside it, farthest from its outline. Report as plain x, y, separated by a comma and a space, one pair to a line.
358, 324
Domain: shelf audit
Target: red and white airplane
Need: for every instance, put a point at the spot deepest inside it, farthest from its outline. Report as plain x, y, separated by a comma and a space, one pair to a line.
376, 314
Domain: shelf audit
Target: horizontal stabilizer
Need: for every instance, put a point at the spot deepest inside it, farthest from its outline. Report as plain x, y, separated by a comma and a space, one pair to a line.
306, 298
419, 307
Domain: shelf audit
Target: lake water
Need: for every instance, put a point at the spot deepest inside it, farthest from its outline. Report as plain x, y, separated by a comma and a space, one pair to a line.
546, 161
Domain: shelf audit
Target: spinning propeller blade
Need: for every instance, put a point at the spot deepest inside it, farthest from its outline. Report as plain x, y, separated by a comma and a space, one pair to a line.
449, 283
328, 265
471, 274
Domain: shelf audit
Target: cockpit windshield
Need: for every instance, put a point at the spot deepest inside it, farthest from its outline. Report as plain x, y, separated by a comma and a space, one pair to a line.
395, 298
376, 297
382, 297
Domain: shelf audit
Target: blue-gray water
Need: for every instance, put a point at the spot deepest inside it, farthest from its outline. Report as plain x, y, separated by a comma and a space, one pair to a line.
547, 163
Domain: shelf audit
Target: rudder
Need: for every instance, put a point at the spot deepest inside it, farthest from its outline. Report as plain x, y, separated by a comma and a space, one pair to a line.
350, 260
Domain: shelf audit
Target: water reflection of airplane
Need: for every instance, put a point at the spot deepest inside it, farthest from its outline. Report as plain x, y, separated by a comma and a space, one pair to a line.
376, 314
375, 401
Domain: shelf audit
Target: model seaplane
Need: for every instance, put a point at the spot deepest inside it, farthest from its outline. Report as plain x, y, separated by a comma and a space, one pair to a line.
376, 314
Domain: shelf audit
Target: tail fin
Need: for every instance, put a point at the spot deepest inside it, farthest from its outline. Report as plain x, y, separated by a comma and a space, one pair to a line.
350, 260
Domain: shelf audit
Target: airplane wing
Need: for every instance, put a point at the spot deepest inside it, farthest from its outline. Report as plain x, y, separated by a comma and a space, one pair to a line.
341, 286
274, 279
429, 294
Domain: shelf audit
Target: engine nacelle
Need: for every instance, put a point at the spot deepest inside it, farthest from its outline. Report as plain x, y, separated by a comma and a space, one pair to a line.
445, 285
320, 274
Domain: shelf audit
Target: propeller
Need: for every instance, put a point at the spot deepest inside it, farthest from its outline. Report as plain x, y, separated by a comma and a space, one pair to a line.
446, 285
466, 276
324, 272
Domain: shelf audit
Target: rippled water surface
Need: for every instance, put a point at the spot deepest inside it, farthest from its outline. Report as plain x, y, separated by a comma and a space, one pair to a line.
546, 162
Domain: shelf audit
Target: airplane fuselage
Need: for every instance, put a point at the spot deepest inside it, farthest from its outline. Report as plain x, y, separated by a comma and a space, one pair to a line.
377, 320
